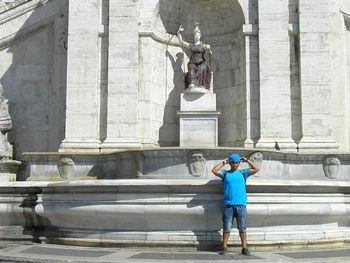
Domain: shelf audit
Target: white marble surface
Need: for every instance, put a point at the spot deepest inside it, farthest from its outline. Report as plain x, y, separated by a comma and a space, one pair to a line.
198, 128
198, 120
198, 102
134, 73
169, 162
274, 72
35, 81
171, 210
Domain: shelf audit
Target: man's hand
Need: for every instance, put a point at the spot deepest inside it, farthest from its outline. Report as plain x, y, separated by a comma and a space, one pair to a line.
253, 167
244, 159
217, 168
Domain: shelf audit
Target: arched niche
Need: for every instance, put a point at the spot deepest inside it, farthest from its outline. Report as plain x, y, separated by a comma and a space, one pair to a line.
218, 19
164, 63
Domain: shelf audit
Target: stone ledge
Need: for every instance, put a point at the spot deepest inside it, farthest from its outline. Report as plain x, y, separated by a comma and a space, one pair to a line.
288, 186
172, 210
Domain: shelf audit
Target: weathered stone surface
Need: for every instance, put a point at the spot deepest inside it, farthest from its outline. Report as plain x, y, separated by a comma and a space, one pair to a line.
5, 126
33, 40
173, 162
171, 211
285, 80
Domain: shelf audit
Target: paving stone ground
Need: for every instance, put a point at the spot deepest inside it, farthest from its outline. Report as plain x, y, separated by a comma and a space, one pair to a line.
19, 252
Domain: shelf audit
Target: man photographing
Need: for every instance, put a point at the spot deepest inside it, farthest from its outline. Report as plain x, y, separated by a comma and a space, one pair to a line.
235, 197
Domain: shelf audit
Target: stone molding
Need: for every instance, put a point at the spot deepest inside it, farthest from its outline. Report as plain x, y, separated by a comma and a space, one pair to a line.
9, 4
315, 144
249, 30
171, 211
346, 19
9, 40
345, 10
171, 162
161, 185
21, 9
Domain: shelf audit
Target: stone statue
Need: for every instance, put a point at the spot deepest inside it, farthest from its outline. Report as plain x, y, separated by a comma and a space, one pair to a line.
199, 74
5, 126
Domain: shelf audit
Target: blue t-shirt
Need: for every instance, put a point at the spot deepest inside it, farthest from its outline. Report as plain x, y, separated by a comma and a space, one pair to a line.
234, 187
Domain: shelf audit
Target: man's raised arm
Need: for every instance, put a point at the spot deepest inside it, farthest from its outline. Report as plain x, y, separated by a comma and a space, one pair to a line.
253, 167
217, 168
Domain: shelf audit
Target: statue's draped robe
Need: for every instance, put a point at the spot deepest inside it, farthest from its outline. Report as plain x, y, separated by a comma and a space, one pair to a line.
198, 68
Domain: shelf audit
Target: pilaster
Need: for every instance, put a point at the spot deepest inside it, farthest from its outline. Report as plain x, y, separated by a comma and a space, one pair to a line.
274, 64
251, 50
82, 120
315, 76
122, 104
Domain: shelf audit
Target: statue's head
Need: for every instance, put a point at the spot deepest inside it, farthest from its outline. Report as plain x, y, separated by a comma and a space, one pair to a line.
196, 34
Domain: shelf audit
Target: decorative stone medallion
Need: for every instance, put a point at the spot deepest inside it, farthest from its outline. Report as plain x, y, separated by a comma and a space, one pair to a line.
331, 166
257, 157
66, 167
197, 164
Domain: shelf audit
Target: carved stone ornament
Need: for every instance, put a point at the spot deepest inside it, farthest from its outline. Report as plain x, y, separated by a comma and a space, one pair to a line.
197, 164
7, 4
331, 167
345, 10
257, 157
5, 126
66, 167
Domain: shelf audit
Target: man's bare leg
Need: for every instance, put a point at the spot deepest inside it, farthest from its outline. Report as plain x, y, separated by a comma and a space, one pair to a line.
225, 238
243, 236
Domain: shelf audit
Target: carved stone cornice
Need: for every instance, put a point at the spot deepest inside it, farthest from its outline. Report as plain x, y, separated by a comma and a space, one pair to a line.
171, 42
9, 4
345, 10
16, 13
19, 9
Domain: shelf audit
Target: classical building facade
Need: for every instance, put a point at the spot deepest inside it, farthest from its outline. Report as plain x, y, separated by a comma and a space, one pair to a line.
94, 89
99, 75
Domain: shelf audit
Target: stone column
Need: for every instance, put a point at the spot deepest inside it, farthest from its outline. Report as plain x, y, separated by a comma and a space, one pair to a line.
122, 128
315, 76
82, 113
251, 50
274, 62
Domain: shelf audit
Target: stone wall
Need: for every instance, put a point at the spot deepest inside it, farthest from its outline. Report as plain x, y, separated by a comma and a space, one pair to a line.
229, 83
340, 71
33, 43
270, 80
175, 162
165, 81
176, 212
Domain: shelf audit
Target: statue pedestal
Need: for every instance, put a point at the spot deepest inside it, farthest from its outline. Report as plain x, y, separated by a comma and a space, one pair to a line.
197, 90
198, 120
8, 170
